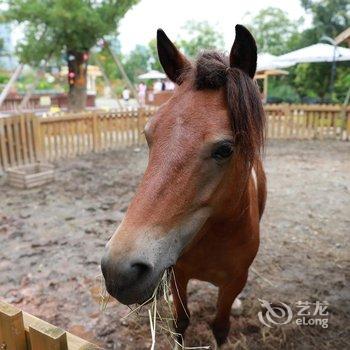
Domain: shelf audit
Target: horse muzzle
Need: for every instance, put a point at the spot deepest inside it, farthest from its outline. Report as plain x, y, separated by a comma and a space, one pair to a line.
130, 281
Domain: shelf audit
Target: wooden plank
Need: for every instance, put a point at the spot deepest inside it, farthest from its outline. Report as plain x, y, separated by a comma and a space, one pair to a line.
118, 135
37, 138
272, 125
59, 140
71, 138
139, 129
291, 122
107, 132
55, 140
73, 342
321, 125
316, 124
124, 128
47, 337
17, 141
77, 136
82, 136
95, 131
24, 139
12, 333
10, 143
30, 139
66, 139
279, 125
310, 122
3, 149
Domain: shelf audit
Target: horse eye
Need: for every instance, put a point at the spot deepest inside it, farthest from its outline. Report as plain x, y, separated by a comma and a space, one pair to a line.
223, 151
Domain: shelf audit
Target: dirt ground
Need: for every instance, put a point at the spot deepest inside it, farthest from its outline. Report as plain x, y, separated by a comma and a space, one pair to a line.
52, 239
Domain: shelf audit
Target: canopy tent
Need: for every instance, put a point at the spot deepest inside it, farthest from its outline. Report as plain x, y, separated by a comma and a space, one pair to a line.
268, 65
267, 62
152, 74
316, 53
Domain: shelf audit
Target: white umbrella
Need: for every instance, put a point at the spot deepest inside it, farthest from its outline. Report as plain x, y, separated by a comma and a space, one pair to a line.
266, 61
316, 53
152, 74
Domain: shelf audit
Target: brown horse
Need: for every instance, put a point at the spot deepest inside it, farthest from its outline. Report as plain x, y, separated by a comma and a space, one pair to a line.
200, 201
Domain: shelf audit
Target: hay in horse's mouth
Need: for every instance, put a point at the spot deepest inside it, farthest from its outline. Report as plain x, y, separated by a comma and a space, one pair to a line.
159, 308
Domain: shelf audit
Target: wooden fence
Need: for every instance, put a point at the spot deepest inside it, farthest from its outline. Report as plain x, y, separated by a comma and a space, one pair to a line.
308, 121
22, 331
27, 138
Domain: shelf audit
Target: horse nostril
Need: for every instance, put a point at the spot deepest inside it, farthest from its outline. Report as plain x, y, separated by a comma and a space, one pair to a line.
140, 269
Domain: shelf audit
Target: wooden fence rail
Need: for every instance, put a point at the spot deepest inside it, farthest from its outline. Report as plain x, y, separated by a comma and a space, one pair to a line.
22, 331
25, 139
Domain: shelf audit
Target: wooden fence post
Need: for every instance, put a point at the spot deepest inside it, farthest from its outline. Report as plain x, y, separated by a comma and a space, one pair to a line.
12, 333
38, 142
344, 117
3, 149
52, 338
95, 132
287, 117
140, 116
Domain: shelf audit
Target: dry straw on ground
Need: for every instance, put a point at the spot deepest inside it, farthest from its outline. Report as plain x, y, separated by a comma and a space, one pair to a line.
160, 312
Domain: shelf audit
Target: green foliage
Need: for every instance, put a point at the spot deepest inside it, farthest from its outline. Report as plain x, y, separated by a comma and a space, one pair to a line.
274, 32
330, 17
108, 64
154, 61
53, 27
201, 35
342, 82
277, 34
280, 90
4, 77
137, 62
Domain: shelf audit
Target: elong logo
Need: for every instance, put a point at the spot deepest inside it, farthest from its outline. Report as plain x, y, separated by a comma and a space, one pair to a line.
308, 314
275, 315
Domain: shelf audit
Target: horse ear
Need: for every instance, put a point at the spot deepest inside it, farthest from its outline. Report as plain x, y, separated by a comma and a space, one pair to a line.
243, 54
172, 60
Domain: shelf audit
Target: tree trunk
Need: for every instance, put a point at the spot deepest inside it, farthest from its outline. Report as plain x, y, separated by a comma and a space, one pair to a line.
77, 72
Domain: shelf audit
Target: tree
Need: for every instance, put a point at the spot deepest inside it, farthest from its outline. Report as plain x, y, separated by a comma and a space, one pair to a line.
201, 35
68, 27
137, 62
277, 34
330, 17
274, 32
154, 60
104, 58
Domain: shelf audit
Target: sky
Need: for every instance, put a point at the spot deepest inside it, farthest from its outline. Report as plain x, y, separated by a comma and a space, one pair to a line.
141, 22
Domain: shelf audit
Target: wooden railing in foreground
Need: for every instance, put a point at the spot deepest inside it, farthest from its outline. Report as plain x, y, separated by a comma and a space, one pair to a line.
21, 331
27, 138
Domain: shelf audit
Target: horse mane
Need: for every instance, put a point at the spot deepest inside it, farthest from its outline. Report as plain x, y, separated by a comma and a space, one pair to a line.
213, 71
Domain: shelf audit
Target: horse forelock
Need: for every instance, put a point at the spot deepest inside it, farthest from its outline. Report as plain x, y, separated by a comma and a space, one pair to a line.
212, 71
